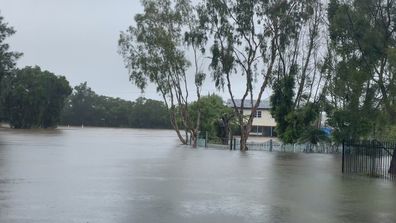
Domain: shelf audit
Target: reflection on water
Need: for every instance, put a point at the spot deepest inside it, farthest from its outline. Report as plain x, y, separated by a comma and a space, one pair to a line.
120, 175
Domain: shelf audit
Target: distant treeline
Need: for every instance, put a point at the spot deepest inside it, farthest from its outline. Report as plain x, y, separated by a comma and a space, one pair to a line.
85, 107
33, 98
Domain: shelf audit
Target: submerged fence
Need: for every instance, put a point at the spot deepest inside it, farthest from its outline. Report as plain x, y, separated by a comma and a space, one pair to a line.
275, 146
271, 146
369, 158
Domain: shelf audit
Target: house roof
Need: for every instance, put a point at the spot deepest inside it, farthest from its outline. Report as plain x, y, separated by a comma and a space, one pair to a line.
264, 104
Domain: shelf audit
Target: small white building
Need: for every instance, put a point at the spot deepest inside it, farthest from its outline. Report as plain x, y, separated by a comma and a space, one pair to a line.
263, 123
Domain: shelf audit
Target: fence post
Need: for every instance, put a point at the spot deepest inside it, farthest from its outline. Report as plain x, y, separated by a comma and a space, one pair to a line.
230, 142
343, 156
373, 156
270, 149
206, 139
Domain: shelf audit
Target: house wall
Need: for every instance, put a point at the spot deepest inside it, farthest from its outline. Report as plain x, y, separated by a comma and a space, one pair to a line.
265, 120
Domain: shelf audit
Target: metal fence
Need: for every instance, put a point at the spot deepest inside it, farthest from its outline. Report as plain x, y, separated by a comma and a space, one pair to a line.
369, 158
273, 146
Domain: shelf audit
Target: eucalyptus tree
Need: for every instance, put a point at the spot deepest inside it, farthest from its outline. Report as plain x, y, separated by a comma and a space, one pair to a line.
299, 85
154, 52
195, 39
363, 87
249, 37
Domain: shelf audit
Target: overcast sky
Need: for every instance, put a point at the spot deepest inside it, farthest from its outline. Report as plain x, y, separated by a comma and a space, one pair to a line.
78, 39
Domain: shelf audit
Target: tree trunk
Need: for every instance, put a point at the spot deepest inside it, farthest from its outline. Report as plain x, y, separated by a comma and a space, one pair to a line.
243, 141
392, 168
194, 139
176, 128
182, 140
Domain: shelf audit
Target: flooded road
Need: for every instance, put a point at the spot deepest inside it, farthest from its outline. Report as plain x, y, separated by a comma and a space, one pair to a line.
120, 175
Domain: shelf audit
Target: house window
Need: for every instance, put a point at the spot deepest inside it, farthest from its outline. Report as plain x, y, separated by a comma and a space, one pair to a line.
258, 114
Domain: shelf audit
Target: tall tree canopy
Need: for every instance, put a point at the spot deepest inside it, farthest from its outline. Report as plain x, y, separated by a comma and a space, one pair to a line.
362, 64
257, 40
154, 52
35, 98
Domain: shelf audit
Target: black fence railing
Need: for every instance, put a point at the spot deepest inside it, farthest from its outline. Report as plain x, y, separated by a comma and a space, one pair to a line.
369, 158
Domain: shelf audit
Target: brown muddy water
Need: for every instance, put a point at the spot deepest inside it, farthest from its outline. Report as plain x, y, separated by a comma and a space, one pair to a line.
124, 175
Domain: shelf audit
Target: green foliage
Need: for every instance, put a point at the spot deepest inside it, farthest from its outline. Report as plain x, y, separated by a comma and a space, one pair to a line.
282, 105
7, 57
251, 39
362, 85
85, 107
216, 117
299, 121
350, 125
154, 52
148, 113
151, 49
293, 124
313, 136
7, 60
35, 98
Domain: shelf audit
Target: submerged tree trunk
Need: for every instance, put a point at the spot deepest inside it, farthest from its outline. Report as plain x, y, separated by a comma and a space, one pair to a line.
176, 127
194, 139
392, 168
244, 138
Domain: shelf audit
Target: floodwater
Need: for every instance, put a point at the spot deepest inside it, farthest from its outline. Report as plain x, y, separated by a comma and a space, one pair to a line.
120, 175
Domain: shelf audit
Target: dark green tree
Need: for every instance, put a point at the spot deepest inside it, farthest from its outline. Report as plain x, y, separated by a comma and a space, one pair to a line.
363, 39
282, 104
216, 117
35, 98
79, 109
363, 86
7, 59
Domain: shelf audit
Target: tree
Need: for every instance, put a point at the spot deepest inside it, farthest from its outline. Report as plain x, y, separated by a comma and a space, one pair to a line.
35, 98
282, 100
216, 117
363, 85
299, 83
79, 109
363, 37
153, 52
7, 58
249, 37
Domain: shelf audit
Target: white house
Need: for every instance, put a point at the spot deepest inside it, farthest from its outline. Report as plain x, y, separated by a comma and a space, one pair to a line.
263, 123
